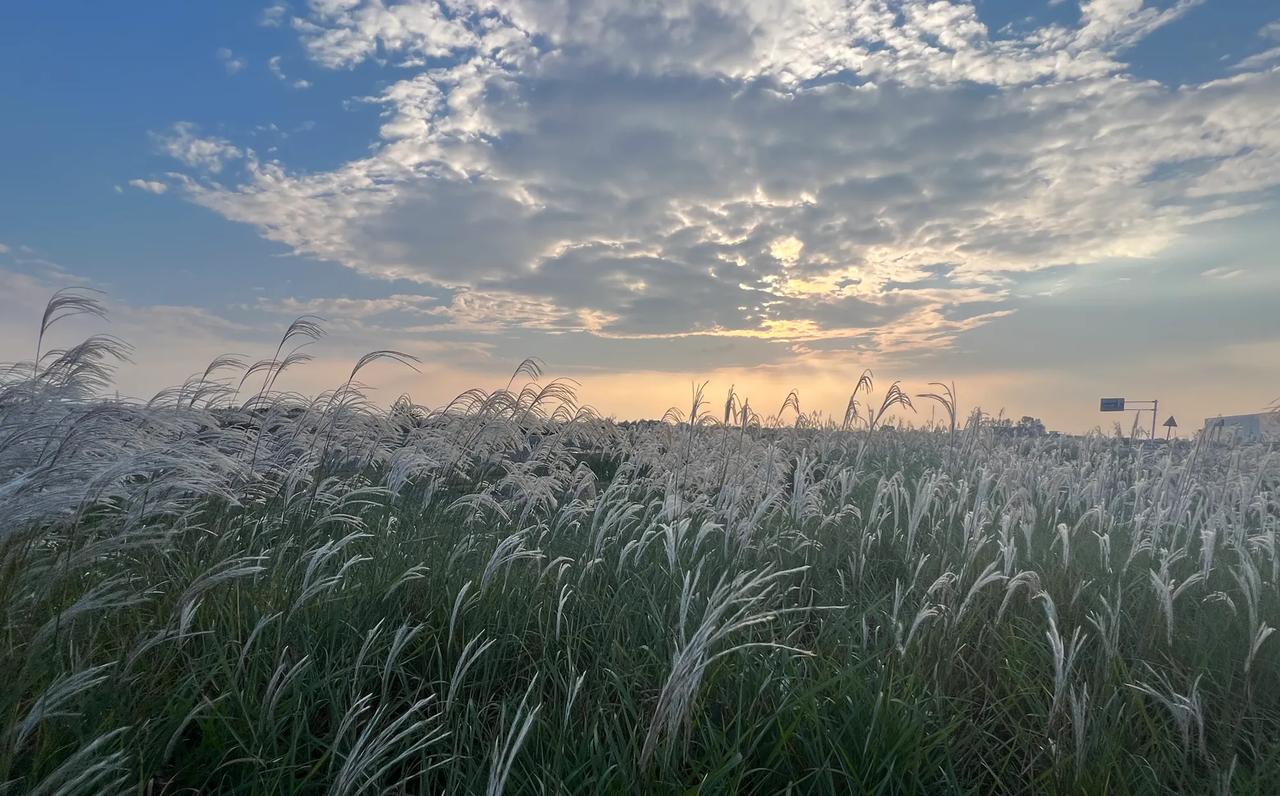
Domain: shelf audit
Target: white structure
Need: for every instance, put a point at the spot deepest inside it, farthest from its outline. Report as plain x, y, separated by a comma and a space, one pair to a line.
1257, 427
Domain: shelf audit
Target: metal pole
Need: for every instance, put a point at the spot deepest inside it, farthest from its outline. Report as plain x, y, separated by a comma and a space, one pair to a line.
1155, 407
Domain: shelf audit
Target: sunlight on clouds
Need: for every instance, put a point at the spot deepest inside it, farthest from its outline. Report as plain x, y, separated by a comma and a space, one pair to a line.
787, 249
873, 176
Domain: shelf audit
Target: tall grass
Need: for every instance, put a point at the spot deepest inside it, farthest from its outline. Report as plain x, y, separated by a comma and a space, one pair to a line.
230, 588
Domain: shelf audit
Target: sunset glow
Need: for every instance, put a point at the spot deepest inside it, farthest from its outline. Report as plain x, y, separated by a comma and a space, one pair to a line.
1037, 201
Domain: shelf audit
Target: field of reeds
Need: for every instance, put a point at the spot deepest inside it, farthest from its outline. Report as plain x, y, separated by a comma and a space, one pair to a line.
233, 589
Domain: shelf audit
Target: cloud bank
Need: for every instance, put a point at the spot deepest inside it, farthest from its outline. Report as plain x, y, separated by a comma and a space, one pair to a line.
857, 174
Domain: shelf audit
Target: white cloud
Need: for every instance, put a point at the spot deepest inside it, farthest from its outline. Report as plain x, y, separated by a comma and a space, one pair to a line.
230, 61
1122, 23
352, 308
808, 170
150, 186
497, 310
342, 32
1266, 57
184, 143
1260, 59
273, 15
274, 65
789, 40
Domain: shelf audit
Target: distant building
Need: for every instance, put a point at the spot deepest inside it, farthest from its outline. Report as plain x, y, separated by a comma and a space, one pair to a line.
1257, 427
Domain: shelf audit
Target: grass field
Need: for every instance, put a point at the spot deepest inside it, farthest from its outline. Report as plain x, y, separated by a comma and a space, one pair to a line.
233, 589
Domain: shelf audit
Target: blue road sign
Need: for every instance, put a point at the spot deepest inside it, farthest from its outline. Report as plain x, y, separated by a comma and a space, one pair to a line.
1112, 404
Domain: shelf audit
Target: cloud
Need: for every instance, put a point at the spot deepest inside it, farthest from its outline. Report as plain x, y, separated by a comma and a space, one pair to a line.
857, 174
168, 343
184, 143
341, 33
273, 15
230, 61
1266, 57
792, 41
150, 186
1259, 59
273, 64
1118, 24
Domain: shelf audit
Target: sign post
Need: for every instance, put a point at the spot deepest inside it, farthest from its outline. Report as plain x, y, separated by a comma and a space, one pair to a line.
1170, 425
1122, 404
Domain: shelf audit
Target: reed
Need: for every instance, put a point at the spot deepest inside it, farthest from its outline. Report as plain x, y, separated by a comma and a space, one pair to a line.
233, 588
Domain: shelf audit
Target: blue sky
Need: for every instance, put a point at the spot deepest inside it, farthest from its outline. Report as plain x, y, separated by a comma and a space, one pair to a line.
1043, 201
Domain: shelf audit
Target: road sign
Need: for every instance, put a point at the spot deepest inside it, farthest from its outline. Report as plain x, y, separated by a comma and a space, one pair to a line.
1122, 404
1171, 423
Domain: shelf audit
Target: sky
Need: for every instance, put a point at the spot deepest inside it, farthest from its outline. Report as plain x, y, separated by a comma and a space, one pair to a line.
1043, 201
